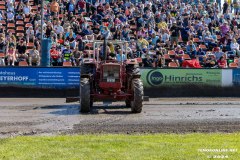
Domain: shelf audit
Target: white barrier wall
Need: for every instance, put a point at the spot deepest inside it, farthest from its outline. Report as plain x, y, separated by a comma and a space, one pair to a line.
227, 78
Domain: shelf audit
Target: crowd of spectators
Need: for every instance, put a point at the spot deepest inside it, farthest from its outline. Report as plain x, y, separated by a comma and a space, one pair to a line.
159, 33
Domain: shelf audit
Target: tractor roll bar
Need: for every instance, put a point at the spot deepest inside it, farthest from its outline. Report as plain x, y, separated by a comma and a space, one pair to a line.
97, 43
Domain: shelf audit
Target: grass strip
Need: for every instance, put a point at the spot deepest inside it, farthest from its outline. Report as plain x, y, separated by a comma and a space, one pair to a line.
195, 146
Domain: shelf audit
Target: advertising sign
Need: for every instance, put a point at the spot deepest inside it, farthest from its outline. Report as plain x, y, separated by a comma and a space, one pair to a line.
170, 77
63, 78
236, 77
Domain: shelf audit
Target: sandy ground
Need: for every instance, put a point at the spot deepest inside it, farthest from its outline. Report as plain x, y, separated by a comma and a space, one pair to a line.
163, 115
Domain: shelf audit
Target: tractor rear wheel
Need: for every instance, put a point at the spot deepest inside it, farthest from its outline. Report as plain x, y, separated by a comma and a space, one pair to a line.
85, 99
128, 103
137, 103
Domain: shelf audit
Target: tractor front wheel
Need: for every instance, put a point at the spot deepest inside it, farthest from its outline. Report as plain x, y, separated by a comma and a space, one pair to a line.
137, 103
85, 99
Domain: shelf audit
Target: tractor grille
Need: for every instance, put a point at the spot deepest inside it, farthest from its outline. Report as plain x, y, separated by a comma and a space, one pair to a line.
111, 74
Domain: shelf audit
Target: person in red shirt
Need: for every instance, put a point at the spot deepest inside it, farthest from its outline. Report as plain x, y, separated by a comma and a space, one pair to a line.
222, 63
55, 56
81, 6
60, 39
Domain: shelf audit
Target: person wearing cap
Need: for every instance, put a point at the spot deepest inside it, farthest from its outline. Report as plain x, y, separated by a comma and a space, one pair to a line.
210, 60
34, 57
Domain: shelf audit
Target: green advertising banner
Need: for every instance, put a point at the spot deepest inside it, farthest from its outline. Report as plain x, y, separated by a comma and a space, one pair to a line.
171, 77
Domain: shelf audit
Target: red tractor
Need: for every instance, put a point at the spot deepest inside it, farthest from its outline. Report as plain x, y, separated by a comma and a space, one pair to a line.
110, 80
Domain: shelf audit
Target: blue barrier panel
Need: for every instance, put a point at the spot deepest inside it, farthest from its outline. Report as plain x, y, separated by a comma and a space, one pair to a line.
46, 47
236, 77
59, 78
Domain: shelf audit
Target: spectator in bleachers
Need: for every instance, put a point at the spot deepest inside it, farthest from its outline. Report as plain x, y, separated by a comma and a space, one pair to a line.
55, 56
235, 47
49, 30
222, 63
71, 40
67, 53
3, 45
21, 51
1, 29
209, 41
12, 41
175, 34
77, 56
58, 28
11, 55
218, 53
34, 57
224, 28
27, 9
210, 61
30, 34
11, 8
191, 49
71, 6
54, 8
154, 40
10, 16
150, 25
81, 5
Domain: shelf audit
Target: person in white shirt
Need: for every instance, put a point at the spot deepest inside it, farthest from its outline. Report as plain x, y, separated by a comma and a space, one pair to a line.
235, 47
30, 34
58, 28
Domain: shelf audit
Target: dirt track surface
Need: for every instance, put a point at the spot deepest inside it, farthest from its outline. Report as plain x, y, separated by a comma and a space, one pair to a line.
167, 115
